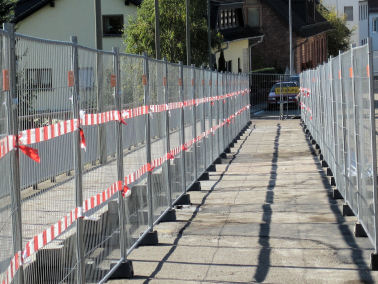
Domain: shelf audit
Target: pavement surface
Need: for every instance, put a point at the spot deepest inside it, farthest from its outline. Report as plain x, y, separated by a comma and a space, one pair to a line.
266, 215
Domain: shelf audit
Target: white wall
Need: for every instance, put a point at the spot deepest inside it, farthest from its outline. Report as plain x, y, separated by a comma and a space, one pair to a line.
363, 26
373, 35
68, 17
235, 50
117, 7
73, 17
339, 6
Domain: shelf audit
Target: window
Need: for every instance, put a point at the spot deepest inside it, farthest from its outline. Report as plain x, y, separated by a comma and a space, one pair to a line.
86, 78
229, 66
375, 25
348, 13
227, 19
253, 17
39, 78
112, 25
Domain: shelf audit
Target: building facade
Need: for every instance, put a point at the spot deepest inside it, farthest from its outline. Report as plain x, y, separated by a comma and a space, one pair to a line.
356, 13
256, 35
60, 19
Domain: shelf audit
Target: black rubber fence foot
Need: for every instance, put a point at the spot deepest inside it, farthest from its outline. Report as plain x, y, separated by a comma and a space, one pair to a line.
218, 161
359, 231
204, 176
170, 216
124, 271
223, 155
150, 239
336, 194
196, 186
374, 261
183, 200
347, 211
211, 168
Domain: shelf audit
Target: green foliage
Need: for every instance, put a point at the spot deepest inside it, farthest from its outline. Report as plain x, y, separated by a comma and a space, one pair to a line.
140, 32
6, 10
339, 36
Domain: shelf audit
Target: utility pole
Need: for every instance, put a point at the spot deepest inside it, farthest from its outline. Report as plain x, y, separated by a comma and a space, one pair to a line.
98, 24
188, 51
290, 39
209, 33
157, 30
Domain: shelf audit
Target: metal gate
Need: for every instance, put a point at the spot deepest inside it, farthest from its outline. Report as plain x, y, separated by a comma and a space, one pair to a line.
274, 95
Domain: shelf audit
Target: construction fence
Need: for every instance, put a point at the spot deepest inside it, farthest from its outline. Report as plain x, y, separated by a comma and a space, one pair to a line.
337, 107
95, 148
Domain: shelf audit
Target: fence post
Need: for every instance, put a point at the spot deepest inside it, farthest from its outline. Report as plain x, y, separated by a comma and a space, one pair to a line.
100, 105
12, 120
356, 133
120, 173
77, 162
223, 116
203, 122
194, 130
374, 256
217, 119
182, 132
167, 133
334, 118
151, 237
211, 117
346, 197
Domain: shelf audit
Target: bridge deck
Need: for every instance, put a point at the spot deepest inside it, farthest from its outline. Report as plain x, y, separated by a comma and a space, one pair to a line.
265, 215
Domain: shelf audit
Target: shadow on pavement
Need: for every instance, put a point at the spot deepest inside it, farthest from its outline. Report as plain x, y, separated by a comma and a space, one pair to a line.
264, 255
347, 234
188, 223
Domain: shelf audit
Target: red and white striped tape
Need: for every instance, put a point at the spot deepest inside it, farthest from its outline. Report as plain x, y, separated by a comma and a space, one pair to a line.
13, 267
48, 235
36, 135
7, 144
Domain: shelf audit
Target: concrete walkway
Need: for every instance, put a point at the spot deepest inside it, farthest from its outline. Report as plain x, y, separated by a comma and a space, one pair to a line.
266, 215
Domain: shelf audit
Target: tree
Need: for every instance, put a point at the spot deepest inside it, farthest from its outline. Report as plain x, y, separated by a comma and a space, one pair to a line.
221, 62
339, 35
140, 32
6, 10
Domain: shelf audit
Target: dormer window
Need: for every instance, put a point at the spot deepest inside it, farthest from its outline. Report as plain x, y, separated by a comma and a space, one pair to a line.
227, 19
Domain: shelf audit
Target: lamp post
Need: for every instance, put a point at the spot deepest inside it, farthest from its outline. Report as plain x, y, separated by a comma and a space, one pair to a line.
290, 39
209, 33
188, 51
157, 30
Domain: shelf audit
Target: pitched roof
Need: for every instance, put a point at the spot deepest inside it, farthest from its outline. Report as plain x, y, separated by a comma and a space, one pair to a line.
240, 33
25, 8
301, 24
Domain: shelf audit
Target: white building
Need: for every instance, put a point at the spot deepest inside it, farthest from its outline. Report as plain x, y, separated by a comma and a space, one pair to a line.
356, 13
43, 67
60, 19
373, 23
373, 31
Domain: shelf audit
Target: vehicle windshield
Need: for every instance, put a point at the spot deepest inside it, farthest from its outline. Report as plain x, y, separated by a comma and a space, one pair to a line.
283, 85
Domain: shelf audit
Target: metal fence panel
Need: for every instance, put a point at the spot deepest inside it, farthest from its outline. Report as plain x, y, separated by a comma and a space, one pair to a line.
337, 106
365, 153
120, 137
